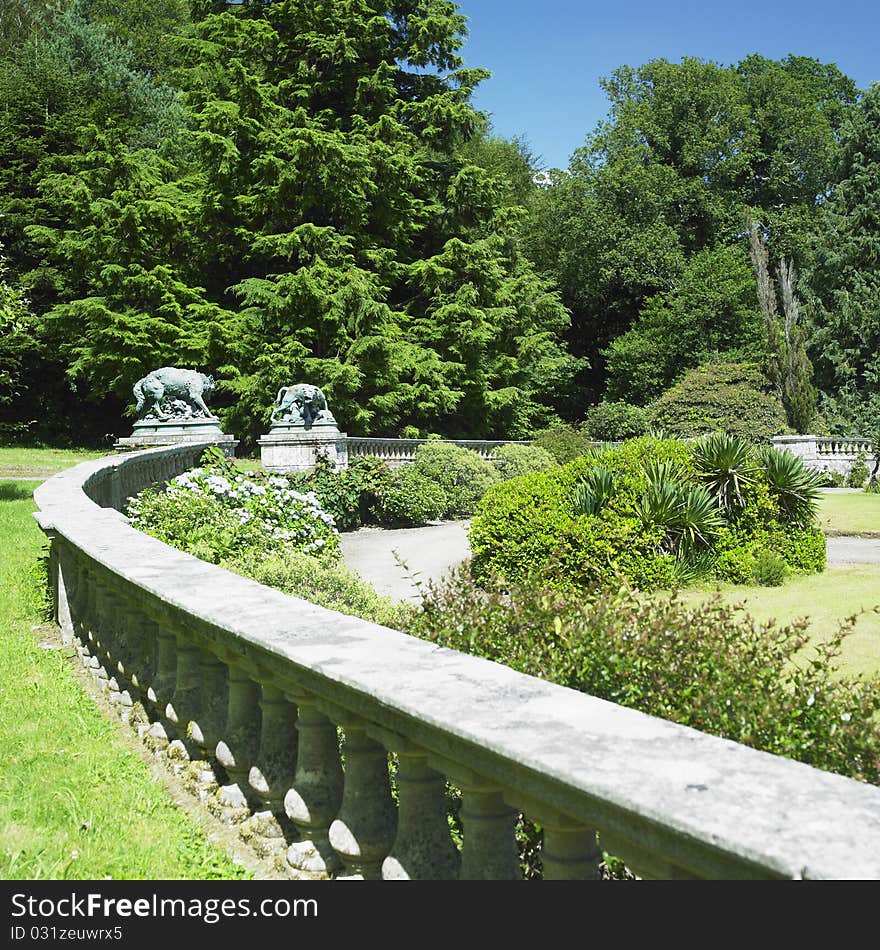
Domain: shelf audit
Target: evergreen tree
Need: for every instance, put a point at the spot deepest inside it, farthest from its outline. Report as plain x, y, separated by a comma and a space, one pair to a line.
318, 219
846, 282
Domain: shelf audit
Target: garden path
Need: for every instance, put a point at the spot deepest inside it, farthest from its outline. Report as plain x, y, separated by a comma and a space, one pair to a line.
423, 554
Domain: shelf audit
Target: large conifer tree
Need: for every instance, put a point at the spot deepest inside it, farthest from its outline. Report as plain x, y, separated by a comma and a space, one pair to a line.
846, 348
315, 220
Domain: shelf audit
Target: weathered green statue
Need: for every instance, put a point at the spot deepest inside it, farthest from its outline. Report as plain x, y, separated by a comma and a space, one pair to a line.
302, 404
175, 394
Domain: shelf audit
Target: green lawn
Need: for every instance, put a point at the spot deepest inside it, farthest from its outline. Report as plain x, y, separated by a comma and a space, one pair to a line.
826, 599
850, 512
76, 800
22, 462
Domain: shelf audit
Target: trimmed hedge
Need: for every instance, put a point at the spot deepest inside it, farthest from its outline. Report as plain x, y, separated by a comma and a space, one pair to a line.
513, 460
615, 422
461, 473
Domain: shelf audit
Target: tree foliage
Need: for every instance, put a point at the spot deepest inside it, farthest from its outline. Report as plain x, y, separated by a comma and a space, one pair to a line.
846, 281
685, 148
329, 207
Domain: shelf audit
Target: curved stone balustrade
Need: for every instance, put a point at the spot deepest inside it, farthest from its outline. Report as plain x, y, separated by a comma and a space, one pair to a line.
259, 686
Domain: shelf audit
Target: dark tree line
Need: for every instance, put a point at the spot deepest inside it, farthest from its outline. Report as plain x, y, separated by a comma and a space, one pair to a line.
303, 190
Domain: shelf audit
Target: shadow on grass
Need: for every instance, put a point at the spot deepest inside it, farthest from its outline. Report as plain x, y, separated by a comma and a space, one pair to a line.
15, 491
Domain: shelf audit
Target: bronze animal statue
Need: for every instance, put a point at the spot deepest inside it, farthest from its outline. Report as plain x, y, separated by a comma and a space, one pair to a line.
303, 403
172, 393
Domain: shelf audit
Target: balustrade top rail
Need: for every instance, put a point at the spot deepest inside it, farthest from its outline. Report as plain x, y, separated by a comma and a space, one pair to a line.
668, 799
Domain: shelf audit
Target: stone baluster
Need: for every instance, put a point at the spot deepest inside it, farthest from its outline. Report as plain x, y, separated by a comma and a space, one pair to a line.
423, 849
570, 851
238, 749
185, 702
364, 829
77, 600
115, 643
273, 772
313, 801
141, 663
206, 728
161, 690
97, 625
489, 850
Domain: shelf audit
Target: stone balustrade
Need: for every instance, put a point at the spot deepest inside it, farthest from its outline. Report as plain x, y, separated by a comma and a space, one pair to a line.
332, 739
826, 453
397, 452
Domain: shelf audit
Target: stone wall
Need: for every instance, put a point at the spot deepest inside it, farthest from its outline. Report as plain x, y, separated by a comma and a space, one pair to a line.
258, 693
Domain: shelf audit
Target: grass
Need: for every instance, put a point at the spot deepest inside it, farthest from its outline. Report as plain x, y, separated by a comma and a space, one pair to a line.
827, 599
18, 461
850, 513
76, 800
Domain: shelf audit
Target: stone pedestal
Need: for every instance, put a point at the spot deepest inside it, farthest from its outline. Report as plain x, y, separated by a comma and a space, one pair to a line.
148, 433
293, 448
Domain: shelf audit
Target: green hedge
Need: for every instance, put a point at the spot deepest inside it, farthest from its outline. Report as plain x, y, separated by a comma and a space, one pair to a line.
708, 666
462, 474
531, 522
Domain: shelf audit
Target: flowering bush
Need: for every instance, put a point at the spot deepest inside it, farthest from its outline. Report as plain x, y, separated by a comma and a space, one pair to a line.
215, 512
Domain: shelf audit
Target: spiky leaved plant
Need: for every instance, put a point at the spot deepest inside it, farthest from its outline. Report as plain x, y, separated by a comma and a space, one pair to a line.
688, 515
795, 487
727, 466
591, 495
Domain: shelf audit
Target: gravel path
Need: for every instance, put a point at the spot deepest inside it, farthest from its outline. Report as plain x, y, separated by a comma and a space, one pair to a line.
428, 552
849, 550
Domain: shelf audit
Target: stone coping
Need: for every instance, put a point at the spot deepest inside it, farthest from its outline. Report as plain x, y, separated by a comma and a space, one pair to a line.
667, 798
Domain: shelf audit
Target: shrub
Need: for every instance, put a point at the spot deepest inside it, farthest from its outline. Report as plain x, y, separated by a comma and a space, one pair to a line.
330, 585
708, 666
858, 474
833, 479
350, 495
796, 488
590, 496
726, 397
727, 466
531, 521
563, 443
768, 569
512, 460
407, 498
615, 422
214, 512
643, 510
460, 472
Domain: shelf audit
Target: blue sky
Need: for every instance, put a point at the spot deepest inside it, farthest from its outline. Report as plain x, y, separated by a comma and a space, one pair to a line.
547, 58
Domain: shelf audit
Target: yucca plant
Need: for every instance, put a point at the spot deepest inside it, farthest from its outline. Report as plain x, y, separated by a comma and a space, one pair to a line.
727, 466
699, 519
660, 473
797, 489
688, 515
591, 495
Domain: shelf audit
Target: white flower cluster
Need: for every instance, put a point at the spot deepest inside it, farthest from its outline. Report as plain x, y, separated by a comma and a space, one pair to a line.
284, 513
